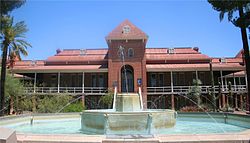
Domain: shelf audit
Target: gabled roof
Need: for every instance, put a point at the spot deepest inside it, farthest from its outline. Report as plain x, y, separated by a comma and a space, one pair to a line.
240, 54
119, 34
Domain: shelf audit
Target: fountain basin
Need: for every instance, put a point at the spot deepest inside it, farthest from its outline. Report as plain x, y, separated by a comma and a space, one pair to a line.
136, 122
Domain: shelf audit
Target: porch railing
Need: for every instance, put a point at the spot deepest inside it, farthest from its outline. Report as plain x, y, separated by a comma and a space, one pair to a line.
75, 90
204, 89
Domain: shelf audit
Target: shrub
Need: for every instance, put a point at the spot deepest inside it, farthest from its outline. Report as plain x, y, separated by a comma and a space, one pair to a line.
107, 99
74, 107
52, 103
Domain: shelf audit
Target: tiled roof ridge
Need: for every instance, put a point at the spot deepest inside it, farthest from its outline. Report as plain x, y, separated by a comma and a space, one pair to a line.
146, 48
78, 55
175, 53
170, 48
29, 60
226, 57
85, 49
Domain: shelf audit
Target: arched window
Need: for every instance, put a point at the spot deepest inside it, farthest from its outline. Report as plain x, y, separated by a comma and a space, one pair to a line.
130, 52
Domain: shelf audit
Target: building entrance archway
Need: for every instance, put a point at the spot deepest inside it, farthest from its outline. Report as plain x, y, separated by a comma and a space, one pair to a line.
127, 78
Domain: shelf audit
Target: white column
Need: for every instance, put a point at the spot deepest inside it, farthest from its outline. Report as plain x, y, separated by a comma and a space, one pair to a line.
35, 82
234, 82
246, 79
226, 82
82, 82
222, 82
172, 82
239, 81
58, 82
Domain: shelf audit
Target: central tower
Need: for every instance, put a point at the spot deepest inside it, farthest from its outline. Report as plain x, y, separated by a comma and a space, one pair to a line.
133, 73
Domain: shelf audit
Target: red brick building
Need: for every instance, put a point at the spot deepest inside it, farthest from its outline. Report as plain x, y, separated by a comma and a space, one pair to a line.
162, 73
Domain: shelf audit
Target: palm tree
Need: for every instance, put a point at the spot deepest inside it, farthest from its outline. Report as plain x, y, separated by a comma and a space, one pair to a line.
242, 21
12, 40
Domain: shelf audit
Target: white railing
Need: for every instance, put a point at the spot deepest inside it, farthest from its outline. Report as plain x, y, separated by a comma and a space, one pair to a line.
89, 90
204, 89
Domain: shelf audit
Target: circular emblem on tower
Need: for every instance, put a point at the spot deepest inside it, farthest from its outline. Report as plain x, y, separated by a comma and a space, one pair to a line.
125, 29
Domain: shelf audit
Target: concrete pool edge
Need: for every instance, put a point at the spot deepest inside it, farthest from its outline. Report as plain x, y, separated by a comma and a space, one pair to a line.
242, 137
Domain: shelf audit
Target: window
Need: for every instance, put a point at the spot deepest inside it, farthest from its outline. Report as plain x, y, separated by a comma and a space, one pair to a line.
33, 63
121, 52
101, 80
193, 75
82, 52
175, 78
130, 52
171, 51
202, 77
181, 80
223, 60
126, 29
153, 80
93, 76
161, 80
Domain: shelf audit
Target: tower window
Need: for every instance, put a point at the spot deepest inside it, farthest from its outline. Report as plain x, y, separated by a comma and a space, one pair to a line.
126, 29
130, 52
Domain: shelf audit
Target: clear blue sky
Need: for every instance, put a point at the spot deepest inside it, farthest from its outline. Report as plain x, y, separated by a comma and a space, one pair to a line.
84, 24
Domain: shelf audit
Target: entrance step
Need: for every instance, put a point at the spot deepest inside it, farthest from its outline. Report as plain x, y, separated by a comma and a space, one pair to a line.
126, 102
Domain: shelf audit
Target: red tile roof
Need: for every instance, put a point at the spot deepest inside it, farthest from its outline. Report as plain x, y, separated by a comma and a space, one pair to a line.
179, 54
181, 50
239, 54
118, 34
79, 68
228, 60
77, 58
152, 54
77, 52
193, 67
176, 56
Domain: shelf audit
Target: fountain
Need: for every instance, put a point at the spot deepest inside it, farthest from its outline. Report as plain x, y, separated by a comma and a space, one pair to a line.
127, 115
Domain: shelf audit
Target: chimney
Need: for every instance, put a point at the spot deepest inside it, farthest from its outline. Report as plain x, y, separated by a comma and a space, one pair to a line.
58, 51
196, 49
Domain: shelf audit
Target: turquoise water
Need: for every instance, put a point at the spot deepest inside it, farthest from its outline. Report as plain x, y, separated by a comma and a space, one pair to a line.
73, 125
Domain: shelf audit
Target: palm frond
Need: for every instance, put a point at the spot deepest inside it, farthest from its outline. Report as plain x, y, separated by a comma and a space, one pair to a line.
20, 28
23, 43
15, 35
230, 15
222, 13
23, 51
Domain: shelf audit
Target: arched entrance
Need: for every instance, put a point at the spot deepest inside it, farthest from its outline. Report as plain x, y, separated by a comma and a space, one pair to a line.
127, 78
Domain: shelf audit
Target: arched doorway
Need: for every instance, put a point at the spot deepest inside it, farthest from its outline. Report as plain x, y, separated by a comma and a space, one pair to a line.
127, 78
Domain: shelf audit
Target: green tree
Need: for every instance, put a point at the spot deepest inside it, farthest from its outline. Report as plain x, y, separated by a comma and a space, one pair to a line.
8, 5
242, 21
14, 88
13, 40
